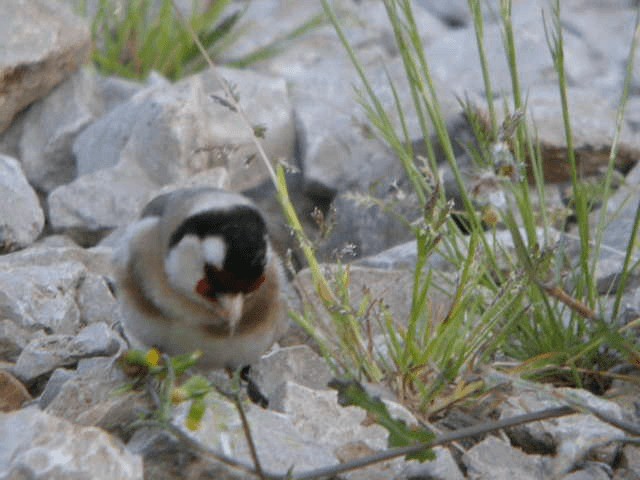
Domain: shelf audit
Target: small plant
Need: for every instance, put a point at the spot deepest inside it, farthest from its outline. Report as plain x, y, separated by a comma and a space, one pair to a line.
540, 307
136, 37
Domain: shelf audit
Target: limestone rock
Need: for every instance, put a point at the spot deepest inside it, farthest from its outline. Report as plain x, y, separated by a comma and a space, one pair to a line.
40, 446
42, 44
21, 217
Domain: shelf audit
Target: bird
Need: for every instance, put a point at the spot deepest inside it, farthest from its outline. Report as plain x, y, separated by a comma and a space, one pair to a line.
197, 272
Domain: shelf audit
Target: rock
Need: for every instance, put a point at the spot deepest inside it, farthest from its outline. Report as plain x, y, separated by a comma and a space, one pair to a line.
592, 472
265, 100
52, 124
96, 300
45, 354
10, 138
619, 218
42, 298
91, 397
40, 446
631, 464
365, 24
346, 431
496, 459
173, 132
607, 27
13, 339
21, 217
50, 128
57, 379
364, 228
96, 260
43, 43
391, 287
164, 135
123, 191
339, 148
593, 121
13, 394
278, 442
457, 66
403, 257
573, 437
444, 467
297, 364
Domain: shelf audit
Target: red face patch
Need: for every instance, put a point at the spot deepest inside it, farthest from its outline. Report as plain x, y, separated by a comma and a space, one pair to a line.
204, 289
218, 281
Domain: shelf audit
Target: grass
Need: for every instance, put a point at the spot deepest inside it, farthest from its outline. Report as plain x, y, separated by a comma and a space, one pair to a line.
541, 308
147, 35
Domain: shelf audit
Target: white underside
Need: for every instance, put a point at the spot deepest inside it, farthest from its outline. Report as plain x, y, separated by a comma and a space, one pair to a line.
174, 339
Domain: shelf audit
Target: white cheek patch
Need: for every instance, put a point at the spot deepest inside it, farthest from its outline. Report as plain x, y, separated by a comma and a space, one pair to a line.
185, 264
214, 250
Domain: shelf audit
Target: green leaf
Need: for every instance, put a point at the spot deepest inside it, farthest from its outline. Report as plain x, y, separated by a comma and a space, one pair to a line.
351, 393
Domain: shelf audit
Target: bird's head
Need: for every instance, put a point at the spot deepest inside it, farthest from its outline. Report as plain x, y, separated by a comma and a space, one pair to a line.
217, 256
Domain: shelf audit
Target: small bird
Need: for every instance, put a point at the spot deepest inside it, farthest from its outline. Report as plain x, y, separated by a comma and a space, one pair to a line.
196, 271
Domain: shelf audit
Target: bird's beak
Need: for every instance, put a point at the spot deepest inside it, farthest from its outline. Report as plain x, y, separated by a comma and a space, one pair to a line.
231, 305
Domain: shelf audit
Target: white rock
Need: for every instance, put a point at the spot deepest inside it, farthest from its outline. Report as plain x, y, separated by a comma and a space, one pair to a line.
21, 217
38, 446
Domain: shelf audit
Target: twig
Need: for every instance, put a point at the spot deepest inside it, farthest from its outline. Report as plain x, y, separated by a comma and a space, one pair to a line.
574, 304
369, 459
441, 440
247, 429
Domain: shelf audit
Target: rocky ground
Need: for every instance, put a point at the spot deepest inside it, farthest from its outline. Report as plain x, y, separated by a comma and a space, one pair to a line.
80, 153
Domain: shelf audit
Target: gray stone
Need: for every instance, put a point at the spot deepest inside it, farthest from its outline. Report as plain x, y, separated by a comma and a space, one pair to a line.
96, 301
365, 24
607, 27
573, 437
90, 206
619, 217
340, 150
297, 364
164, 135
496, 459
41, 297
21, 217
97, 260
40, 446
91, 397
280, 445
630, 464
13, 339
57, 379
45, 354
593, 119
42, 44
362, 228
403, 257
444, 467
592, 472
391, 288
174, 132
10, 138
456, 65
346, 431
51, 126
